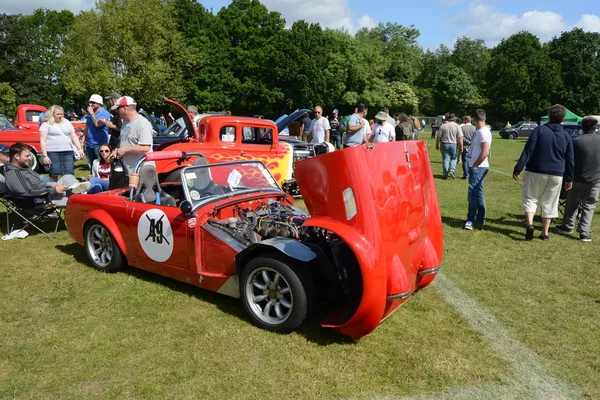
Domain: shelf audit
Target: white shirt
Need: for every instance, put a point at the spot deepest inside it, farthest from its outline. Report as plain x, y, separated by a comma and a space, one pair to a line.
483, 135
383, 134
318, 128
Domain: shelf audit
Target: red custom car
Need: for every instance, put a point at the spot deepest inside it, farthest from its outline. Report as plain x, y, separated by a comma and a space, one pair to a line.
373, 236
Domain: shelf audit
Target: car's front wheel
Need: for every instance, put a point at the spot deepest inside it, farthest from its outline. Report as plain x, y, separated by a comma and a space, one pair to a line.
277, 296
512, 135
102, 249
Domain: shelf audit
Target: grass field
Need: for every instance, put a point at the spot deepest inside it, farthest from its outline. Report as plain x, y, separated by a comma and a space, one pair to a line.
508, 318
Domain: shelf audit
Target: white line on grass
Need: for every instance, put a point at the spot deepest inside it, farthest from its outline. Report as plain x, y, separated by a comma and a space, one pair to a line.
501, 172
529, 380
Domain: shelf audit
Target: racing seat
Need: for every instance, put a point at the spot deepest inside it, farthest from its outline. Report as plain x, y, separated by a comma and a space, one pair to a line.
149, 190
203, 182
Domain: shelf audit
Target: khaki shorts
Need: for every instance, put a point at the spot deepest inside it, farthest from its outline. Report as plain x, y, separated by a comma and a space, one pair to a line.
544, 188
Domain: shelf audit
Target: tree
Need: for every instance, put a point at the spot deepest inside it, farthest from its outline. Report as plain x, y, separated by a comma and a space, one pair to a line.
472, 56
579, 57
8, 98
521, 78
111, 48
454, 91
400, 96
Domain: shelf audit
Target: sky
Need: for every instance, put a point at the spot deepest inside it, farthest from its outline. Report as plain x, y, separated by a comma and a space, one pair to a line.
438, 21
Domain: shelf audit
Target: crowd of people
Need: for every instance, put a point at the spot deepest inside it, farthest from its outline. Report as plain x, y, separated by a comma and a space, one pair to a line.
552, 163
356, 129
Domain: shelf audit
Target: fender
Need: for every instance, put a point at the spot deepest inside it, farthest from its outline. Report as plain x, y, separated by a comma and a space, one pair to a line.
373, 302
105, 219
289, 247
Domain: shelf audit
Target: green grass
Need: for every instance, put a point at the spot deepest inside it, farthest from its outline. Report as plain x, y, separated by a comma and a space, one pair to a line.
68, 331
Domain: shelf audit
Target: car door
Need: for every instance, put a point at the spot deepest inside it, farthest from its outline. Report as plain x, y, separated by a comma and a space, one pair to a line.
158, 237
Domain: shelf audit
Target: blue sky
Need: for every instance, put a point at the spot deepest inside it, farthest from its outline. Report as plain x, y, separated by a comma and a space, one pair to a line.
439, 21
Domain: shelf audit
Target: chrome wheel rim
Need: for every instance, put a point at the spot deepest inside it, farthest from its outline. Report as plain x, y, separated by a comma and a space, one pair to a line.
99, 246
33, 161
269, 296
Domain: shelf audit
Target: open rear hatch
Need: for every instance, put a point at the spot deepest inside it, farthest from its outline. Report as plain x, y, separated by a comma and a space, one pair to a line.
380, 199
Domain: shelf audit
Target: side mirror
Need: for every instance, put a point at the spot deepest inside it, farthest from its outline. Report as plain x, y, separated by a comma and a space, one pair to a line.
185, 207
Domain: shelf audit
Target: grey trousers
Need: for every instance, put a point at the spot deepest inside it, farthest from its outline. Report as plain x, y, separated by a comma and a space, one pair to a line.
586, 196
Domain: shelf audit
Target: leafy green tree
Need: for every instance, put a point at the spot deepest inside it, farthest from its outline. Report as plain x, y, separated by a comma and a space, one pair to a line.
454, 91
133, 47
473, 56
521, 78
8, 99
400, 96
579, 57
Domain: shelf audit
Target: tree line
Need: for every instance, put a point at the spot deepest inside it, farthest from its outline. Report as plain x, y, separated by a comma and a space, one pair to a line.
245, 59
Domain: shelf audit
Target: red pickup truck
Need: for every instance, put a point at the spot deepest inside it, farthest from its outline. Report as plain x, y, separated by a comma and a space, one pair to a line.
26, 129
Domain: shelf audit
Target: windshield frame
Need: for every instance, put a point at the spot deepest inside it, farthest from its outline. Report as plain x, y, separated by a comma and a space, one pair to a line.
7, 124
207, 200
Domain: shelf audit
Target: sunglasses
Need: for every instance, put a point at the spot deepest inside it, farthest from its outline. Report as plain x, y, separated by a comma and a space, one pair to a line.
317, 112
104, 151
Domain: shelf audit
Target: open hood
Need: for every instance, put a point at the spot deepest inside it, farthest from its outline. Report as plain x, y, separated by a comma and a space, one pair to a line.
381, 200
284, 122
192, 129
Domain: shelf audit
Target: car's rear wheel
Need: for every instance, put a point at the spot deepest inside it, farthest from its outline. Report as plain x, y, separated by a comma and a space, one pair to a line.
277, 296
33, 161
512, 135
102, 250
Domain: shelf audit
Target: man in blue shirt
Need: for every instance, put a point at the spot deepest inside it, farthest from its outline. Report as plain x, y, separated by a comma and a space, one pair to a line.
96, 131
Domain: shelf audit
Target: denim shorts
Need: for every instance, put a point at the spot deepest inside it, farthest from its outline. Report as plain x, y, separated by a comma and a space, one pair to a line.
62, 163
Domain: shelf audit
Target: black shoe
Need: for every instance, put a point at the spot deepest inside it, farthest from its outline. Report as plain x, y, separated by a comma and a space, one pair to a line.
444, 178
585, 238
563, 228
529, 232
544, 237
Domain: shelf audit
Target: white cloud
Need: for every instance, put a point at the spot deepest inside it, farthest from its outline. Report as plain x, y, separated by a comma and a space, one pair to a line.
335, 14
28, 6
366, 22
484, 22
589, 23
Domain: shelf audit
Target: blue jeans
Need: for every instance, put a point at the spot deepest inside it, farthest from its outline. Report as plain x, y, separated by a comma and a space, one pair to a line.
91, 151
449, 157
62, 163
336, 141
477, 208
465, 162
97, 185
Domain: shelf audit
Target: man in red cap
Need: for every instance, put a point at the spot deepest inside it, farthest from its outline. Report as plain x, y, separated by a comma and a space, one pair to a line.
136, 133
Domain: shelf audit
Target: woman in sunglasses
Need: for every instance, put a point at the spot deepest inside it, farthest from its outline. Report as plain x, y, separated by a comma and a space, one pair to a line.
101, 170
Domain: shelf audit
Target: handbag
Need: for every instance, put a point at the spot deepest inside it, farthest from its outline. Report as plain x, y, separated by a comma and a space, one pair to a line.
76, 154
119, 175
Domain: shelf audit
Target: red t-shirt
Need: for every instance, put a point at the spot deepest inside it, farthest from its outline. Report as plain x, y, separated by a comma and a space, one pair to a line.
104, 170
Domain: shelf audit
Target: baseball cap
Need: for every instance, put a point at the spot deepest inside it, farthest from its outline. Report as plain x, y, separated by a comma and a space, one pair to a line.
96, 98
335, 111
113, 95
4, 148
124, 101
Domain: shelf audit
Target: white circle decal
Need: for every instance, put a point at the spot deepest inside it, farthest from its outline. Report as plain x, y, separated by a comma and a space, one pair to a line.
155, 235
195, 195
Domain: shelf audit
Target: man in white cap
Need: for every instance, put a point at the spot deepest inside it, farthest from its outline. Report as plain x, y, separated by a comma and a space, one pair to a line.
96, 132
136, 133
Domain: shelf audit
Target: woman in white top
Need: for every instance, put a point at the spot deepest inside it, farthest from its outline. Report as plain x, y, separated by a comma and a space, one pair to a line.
383, 131
57, 143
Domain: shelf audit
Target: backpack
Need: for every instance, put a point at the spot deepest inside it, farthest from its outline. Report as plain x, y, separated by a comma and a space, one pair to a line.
119, 175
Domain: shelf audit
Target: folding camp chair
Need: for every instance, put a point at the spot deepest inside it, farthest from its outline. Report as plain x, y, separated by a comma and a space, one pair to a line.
32, 211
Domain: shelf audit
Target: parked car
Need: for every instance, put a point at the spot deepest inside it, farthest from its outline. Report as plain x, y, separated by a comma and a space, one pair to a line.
10, 135
520, 129
369, 242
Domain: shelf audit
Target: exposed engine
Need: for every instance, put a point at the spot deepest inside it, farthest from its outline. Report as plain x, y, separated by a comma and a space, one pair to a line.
268, 220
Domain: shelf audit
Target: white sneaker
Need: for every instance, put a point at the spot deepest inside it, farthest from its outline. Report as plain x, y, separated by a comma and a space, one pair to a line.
79, 187
469, 226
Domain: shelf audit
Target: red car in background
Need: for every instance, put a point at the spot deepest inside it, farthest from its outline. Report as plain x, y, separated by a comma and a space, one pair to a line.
373, 235
26, 129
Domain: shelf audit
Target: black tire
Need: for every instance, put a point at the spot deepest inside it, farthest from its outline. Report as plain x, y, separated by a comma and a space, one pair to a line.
512, 135
102, 250
290, 291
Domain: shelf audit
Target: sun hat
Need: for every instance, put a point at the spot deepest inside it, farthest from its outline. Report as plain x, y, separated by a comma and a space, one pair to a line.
381, 116
451, 117
113, 95
96, 98
124, 101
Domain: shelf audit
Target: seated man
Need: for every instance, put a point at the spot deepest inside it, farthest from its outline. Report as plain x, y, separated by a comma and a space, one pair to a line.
3, 160
22, 181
